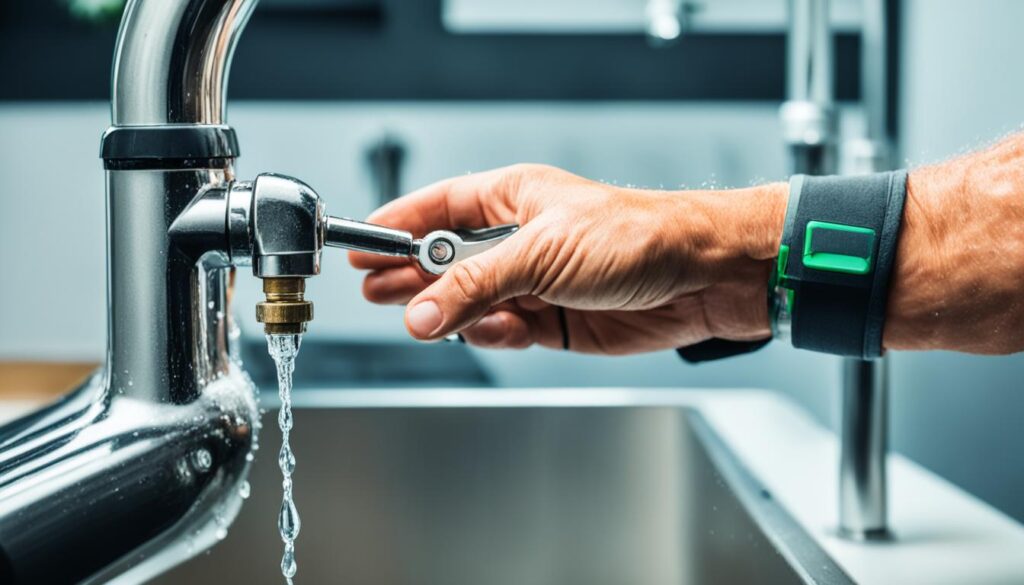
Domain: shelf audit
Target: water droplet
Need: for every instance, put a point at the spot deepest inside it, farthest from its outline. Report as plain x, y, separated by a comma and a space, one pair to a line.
244, 490
210, 305
286, 460
222, 533
202, 460
249, 456
288, 565
284, 419
288, 521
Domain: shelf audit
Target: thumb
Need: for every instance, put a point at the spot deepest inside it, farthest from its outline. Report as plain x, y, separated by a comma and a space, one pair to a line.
468, 290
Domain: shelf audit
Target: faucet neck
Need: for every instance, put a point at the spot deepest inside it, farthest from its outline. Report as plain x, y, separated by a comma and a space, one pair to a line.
168, 311
168, 317
172, 59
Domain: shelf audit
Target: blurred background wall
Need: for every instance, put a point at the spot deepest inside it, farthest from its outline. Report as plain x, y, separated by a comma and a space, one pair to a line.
701, 113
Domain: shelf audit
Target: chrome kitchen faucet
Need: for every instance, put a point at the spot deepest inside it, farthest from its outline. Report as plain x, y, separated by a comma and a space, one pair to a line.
142, 465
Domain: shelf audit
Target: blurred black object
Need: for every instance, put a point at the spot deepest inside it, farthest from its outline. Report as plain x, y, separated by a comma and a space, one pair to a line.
361, 364
385, 158
717, 349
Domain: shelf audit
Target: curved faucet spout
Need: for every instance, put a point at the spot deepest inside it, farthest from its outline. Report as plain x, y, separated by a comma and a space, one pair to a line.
172, 60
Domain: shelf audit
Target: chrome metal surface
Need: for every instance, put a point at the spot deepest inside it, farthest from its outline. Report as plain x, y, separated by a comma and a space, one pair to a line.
863, 494
168, 309
200, 227
238, 225
366, 237
874, 78
436, 252
172, 60
874, 152
275, 223
808, 124
809, 120
108, 487
863, 156
139, 469
471, 495
286, 227
441, 249
809, 52
665, 20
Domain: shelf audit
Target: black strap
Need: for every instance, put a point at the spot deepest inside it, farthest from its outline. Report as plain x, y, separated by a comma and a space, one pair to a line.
716, 349
837, 260
838, 313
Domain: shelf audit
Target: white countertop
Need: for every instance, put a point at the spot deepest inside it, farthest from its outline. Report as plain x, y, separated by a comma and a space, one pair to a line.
943, 534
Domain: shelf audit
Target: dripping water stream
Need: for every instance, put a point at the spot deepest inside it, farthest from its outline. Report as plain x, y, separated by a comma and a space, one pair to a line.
284, 349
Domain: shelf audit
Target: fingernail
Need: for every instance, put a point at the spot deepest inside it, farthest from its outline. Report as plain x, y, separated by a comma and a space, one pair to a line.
424, 318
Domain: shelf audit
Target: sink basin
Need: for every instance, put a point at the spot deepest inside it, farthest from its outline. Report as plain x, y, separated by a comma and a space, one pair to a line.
512, 495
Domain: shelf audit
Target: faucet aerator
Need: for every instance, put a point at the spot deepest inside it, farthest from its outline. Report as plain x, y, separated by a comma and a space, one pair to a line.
286, 311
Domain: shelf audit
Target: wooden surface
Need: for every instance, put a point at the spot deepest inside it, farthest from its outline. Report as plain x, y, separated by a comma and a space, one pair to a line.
40, 380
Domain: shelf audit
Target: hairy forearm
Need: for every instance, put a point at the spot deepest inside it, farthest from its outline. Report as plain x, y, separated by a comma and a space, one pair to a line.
958, 279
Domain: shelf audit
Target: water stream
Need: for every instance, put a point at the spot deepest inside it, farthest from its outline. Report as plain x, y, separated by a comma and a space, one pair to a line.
284, 348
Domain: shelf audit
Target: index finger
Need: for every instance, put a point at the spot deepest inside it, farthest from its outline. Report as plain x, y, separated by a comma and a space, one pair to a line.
471, 201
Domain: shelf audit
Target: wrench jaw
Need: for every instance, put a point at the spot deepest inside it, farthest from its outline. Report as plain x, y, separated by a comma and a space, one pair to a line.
439, 250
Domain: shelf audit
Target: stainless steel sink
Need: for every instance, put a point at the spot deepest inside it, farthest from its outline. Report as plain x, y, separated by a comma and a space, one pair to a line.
520, 495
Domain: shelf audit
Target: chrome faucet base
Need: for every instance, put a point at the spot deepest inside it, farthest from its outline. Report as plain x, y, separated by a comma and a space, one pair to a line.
864, 433
134, 484
874, 535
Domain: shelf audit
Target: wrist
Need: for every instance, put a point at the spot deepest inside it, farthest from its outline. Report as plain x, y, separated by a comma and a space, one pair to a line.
766, 213
745, 224
739, 232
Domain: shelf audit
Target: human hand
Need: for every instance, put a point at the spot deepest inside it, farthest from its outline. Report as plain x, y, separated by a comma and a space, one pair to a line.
634, 270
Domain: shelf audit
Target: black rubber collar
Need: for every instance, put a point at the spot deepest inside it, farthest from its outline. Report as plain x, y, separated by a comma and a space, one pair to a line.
178, 146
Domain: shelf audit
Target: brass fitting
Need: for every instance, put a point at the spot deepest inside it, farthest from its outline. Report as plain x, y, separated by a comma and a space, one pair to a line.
285, 311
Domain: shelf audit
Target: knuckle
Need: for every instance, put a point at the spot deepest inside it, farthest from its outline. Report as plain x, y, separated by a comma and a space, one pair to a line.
469, 281
519, 175
528, 169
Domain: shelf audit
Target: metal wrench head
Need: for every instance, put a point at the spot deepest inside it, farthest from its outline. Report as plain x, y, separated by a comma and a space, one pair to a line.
440, 250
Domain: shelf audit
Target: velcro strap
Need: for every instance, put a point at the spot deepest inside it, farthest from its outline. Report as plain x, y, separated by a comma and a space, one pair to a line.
838, 249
